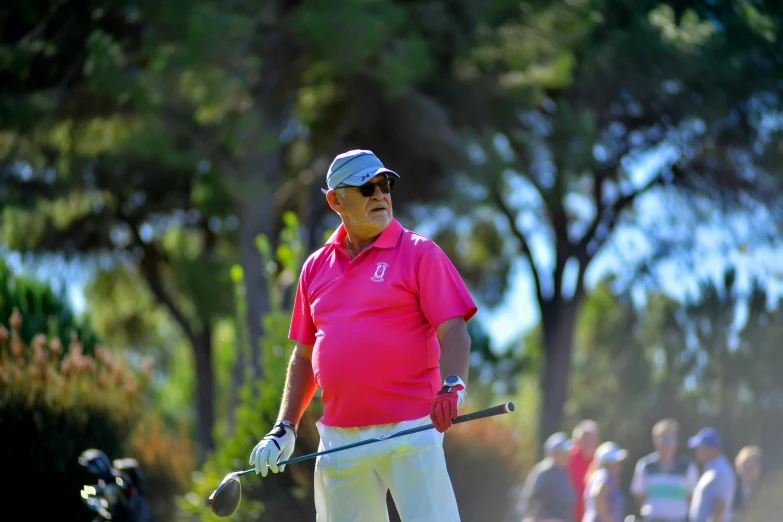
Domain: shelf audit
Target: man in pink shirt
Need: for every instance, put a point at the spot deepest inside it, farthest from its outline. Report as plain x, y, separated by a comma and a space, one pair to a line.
586, 438
376, 309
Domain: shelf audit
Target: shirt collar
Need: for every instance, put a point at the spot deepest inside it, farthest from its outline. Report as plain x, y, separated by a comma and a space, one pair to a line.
387, 239
716, 462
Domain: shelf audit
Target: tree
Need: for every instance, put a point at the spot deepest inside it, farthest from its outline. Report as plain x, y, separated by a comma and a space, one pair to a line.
88, 169
41, 310
636, 101
705, 361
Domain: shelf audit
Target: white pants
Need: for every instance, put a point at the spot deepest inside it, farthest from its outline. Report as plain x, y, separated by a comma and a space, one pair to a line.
351, 485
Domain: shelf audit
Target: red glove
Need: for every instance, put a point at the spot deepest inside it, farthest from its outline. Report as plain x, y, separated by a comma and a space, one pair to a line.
444, 407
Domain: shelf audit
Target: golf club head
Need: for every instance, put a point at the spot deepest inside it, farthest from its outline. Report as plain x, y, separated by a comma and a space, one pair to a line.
224, 501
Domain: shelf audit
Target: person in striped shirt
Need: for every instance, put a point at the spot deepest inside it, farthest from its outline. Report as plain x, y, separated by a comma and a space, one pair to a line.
663, 481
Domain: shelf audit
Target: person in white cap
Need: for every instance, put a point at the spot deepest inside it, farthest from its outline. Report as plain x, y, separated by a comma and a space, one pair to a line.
548, 495
379, 323
604, 501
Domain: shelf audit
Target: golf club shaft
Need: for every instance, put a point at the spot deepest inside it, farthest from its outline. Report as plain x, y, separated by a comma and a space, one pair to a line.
481, 414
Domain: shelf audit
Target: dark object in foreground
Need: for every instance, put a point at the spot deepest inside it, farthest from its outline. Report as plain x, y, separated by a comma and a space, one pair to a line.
224, 501
119, 493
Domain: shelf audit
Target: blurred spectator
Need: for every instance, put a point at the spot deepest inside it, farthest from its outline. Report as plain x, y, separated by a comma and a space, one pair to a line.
549, 495
663, 481
748, 466
713, 496
604, 502
586, 437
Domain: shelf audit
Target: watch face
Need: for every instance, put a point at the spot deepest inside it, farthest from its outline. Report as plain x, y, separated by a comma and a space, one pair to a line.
452, 379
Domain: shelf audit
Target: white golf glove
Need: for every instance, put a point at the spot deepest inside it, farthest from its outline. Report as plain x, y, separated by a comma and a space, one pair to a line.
277, 445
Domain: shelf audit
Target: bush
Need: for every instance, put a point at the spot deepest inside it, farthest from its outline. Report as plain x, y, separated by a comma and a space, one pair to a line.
167, 461
45, 311
486, 460
54, 406
767, 504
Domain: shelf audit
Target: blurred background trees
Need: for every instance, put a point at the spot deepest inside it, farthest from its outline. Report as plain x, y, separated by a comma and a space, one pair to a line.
605, 152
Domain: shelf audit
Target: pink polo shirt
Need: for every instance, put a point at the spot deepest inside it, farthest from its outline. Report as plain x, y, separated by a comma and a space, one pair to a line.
372, 321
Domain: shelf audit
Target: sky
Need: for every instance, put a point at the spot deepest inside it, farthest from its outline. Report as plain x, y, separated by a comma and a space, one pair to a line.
712, 250
518, 312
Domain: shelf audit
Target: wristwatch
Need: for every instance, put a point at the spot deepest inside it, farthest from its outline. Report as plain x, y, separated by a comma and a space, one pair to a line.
453, 380
288, 424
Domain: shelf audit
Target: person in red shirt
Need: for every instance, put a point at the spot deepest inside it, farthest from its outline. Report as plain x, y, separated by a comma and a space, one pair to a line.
376, 309
586, 439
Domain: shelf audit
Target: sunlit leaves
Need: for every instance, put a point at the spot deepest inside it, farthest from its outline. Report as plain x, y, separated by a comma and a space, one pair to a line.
382, 41
688, 33
762, 24
535, 50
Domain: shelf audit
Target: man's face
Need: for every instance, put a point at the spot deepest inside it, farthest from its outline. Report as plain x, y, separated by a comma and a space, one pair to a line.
562, 458
750, 470
705, 453
666, 444
364, 215
587, 443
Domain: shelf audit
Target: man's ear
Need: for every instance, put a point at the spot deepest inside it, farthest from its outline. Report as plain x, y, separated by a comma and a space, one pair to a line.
333, 200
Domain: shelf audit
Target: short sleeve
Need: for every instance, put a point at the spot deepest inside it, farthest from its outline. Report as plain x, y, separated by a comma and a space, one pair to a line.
533, 487
639, 481
692, 477
725, 485
597, 481
530, 486
302, 326
442, 293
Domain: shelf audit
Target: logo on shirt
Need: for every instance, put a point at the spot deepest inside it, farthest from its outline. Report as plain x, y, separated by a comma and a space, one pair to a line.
377, 277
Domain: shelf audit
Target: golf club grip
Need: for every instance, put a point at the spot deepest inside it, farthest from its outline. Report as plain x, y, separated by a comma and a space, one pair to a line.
489, 412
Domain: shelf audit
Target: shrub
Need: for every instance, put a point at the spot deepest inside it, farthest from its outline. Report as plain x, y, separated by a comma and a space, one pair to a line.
767, 504
486, 460
54, 406
167, 460
45, 311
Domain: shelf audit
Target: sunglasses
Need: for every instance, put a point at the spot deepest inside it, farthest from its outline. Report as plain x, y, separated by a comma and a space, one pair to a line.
368, 189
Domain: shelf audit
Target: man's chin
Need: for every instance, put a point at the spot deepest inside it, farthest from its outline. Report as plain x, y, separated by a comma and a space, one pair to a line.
382, 215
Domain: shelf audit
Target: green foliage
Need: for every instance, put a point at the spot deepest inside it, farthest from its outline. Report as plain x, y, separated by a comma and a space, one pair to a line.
52, 409
44, 311
486, 459
767, 502
259, 403
384, 40
711, 361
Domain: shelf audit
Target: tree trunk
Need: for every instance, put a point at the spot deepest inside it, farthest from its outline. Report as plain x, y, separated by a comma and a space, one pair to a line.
237, 373
205, 396
558, 318
260, 173
257, 217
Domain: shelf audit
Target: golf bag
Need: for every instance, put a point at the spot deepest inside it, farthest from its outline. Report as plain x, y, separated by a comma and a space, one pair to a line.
118, 494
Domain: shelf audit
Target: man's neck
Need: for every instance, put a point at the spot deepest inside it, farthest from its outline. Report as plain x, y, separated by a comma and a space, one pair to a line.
711, 461
665, 462
354, 244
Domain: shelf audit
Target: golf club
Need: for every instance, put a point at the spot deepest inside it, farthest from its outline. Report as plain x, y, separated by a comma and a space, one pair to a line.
224, 501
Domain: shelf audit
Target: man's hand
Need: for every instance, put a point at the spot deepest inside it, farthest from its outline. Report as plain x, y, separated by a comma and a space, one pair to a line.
445, 406
277, 445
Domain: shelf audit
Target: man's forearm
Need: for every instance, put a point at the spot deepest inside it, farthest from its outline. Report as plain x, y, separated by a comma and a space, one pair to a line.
299, 387
455, 348
717, 511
